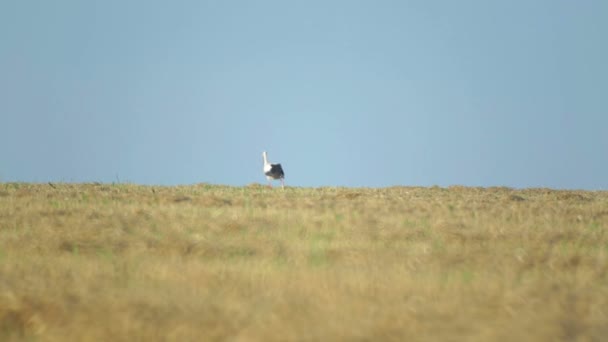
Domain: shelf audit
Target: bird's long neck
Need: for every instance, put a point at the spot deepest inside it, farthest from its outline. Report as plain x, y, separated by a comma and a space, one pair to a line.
265, 158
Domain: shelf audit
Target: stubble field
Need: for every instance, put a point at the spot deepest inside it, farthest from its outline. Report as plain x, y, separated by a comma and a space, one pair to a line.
121, 262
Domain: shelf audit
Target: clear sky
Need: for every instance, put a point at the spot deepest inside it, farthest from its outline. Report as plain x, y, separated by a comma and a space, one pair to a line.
342, 93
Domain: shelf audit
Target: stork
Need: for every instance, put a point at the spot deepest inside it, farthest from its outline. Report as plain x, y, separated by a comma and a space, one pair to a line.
273, 171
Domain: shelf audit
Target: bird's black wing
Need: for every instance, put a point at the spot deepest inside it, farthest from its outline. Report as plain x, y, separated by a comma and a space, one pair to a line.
276, 170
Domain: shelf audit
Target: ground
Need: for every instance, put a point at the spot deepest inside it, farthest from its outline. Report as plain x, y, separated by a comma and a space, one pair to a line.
122, 262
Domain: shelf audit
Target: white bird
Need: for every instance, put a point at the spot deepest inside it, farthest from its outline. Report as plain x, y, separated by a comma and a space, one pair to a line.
273, 171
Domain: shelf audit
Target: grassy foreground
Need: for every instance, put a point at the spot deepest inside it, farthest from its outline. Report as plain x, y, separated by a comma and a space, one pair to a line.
102, 262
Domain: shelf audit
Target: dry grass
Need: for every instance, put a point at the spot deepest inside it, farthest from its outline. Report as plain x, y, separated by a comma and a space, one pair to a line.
93, 262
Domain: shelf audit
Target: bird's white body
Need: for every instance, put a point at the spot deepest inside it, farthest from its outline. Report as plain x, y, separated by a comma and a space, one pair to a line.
267, 168
273, 171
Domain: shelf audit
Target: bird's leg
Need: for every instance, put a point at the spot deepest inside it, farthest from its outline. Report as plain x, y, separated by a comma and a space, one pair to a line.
282, 183
270, 184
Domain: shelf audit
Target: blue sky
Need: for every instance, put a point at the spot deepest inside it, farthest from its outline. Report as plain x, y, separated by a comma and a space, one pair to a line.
342, 93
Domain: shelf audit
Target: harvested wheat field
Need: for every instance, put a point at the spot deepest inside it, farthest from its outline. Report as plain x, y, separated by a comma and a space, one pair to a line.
121, 262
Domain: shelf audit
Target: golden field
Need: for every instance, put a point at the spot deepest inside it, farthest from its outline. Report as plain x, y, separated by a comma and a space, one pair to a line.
121, 262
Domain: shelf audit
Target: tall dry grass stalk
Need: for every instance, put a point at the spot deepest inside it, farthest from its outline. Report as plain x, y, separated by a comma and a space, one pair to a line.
100, 262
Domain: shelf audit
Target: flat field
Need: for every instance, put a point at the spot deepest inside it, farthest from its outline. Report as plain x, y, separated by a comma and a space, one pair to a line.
122, 262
